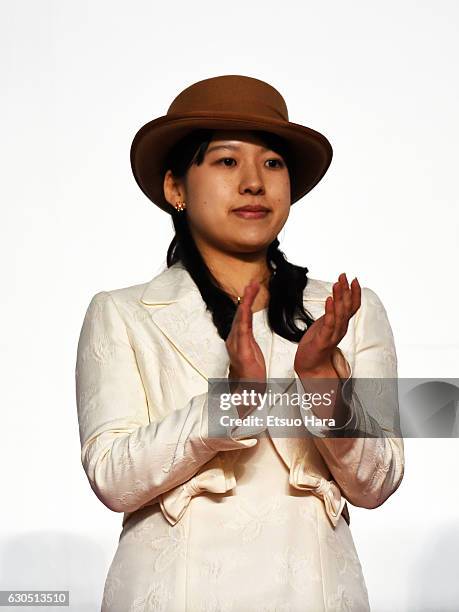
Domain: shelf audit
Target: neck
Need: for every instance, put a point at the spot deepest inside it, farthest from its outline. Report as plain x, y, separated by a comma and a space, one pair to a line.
235, 270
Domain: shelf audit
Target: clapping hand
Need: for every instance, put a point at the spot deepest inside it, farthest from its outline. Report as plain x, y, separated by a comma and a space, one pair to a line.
246, 357
315, 349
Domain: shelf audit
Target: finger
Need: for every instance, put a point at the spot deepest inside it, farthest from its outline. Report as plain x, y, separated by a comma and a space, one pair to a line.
241, 327
241, 306
328, 327
340, 315
347, 294
244, 321
246, 347
356, 295
346, 300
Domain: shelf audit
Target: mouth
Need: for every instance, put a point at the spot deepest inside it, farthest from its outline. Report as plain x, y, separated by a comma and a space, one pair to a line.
251, 212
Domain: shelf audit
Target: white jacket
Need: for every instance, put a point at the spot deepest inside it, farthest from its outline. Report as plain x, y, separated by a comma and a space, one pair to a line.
145, 355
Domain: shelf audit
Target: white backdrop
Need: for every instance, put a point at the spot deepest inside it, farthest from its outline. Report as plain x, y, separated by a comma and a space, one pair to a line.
79, 78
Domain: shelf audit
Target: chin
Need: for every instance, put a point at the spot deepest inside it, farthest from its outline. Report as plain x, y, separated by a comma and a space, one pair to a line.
252, 246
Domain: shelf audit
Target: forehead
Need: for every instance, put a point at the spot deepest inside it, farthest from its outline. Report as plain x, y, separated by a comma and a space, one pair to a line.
238, 137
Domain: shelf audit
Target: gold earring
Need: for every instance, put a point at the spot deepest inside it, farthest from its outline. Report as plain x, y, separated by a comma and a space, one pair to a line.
180, 205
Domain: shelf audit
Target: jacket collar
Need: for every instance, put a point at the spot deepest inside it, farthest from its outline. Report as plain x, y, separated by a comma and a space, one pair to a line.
169, 286
175, 283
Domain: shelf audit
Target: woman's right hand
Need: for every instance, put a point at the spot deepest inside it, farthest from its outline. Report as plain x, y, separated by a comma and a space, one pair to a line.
246, 358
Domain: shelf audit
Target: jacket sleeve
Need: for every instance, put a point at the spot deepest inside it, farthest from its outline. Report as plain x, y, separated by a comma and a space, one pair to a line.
129, 461
366, 454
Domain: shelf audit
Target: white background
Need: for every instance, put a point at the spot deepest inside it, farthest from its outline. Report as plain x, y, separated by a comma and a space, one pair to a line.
79, 79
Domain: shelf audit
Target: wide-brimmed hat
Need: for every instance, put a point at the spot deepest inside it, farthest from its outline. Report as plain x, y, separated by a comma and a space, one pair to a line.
227, 102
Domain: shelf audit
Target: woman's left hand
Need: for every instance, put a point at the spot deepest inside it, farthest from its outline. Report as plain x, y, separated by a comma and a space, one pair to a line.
316, 347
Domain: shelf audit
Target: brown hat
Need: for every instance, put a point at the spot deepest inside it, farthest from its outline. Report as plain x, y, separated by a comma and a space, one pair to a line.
227, 102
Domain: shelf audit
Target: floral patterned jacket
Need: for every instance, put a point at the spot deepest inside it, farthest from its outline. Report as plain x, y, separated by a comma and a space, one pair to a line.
145, 354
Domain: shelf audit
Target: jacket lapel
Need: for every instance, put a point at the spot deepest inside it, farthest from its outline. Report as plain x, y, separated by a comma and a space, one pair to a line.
182, 316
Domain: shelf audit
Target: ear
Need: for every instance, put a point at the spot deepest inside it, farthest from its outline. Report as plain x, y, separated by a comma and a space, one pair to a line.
173, 189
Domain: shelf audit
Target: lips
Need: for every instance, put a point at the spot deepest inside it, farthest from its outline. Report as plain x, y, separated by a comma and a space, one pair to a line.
252, 209
251, 213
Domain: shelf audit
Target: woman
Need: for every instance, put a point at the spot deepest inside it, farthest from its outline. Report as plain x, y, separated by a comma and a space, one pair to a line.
243, 517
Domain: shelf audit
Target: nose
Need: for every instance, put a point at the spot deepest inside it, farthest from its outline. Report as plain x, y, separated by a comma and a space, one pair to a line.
252, 181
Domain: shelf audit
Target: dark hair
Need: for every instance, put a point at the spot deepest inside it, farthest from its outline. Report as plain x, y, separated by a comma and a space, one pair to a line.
288, 281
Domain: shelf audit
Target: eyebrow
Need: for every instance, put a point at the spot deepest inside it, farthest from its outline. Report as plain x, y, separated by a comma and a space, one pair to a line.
229, 146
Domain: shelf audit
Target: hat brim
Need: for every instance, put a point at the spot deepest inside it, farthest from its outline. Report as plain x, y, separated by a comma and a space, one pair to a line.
311, 152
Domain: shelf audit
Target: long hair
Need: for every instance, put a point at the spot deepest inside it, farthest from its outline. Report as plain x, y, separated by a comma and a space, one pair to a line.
287, 282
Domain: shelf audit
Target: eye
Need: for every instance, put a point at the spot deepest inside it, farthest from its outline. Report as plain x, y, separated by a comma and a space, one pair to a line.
275, 159
225, 159
279, 161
